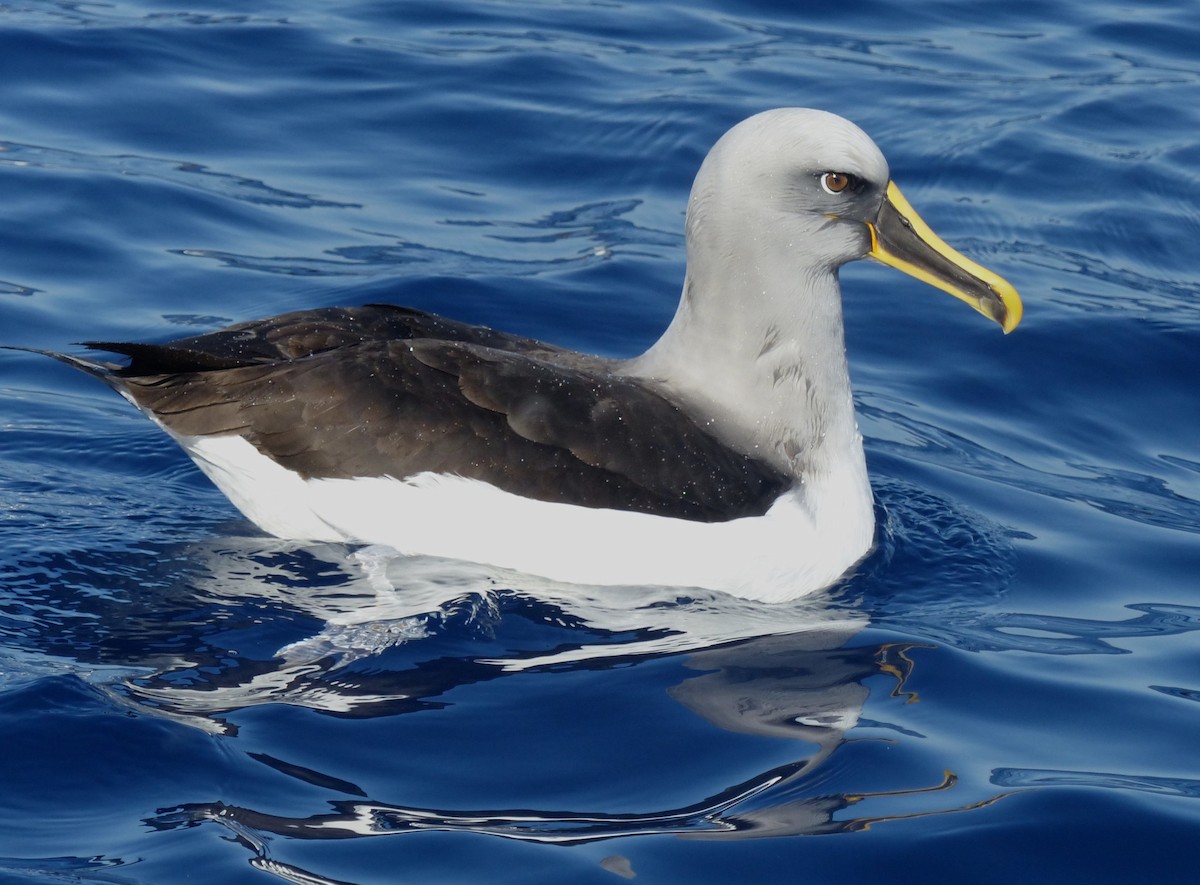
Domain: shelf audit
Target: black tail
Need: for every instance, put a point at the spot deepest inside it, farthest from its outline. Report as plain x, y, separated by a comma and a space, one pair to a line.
106, 372
167, 359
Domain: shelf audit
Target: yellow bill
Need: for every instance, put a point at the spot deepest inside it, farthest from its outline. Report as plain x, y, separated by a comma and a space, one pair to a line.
900, 238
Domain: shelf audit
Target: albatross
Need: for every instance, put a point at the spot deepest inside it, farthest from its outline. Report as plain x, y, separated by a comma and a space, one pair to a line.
725, 457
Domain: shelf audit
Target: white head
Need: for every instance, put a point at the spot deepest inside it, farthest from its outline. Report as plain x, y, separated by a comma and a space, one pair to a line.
781, 201
772, 177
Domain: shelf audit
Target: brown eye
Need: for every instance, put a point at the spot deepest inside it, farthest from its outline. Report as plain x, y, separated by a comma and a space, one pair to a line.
835, 182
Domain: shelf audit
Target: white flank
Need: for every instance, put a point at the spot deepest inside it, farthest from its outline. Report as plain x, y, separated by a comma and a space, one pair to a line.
806, 541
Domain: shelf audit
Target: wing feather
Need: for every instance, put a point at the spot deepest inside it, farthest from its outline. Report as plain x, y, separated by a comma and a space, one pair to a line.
381, 391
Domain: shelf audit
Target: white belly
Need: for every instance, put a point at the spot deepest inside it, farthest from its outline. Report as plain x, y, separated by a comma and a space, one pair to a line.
806, 541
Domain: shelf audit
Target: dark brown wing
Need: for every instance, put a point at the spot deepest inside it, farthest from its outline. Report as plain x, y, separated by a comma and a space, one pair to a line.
302, 333
394, 393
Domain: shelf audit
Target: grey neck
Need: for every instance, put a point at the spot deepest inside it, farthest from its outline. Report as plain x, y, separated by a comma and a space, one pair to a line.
764, 362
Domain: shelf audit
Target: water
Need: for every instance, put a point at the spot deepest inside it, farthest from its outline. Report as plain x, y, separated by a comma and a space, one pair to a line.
1006, 689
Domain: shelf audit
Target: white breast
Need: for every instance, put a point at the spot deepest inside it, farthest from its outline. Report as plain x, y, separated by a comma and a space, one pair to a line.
806, 541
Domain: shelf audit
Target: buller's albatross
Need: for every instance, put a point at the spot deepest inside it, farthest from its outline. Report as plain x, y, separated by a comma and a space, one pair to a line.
725, 457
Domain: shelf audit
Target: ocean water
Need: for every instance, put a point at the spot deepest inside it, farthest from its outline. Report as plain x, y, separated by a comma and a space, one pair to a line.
1007, 689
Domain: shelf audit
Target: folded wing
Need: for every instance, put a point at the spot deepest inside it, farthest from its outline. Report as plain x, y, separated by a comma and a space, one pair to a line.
385, 391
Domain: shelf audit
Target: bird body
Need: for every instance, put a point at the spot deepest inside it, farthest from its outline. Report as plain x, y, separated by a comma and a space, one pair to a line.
726, 456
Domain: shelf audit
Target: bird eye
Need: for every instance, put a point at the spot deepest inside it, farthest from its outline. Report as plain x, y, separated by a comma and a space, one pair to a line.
836, 182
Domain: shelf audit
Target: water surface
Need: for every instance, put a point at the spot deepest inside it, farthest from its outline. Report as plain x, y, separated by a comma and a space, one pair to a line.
1007, 688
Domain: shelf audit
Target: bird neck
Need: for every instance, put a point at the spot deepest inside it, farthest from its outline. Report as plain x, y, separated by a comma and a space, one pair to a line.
763, 362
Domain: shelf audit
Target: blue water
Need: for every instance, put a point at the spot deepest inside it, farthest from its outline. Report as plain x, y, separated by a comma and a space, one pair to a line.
1007, 689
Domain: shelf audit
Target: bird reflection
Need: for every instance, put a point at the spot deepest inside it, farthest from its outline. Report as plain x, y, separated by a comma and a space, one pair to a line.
790, 674
389, 610
805, 686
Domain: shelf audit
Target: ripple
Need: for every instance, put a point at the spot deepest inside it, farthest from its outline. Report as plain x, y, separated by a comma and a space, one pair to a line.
57, 13
7, 288
589, 233
65, 869
730, 815
926, 544
1186, 694
1047, 634
1032, 777
1137, 293
1140, 497
194, 176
